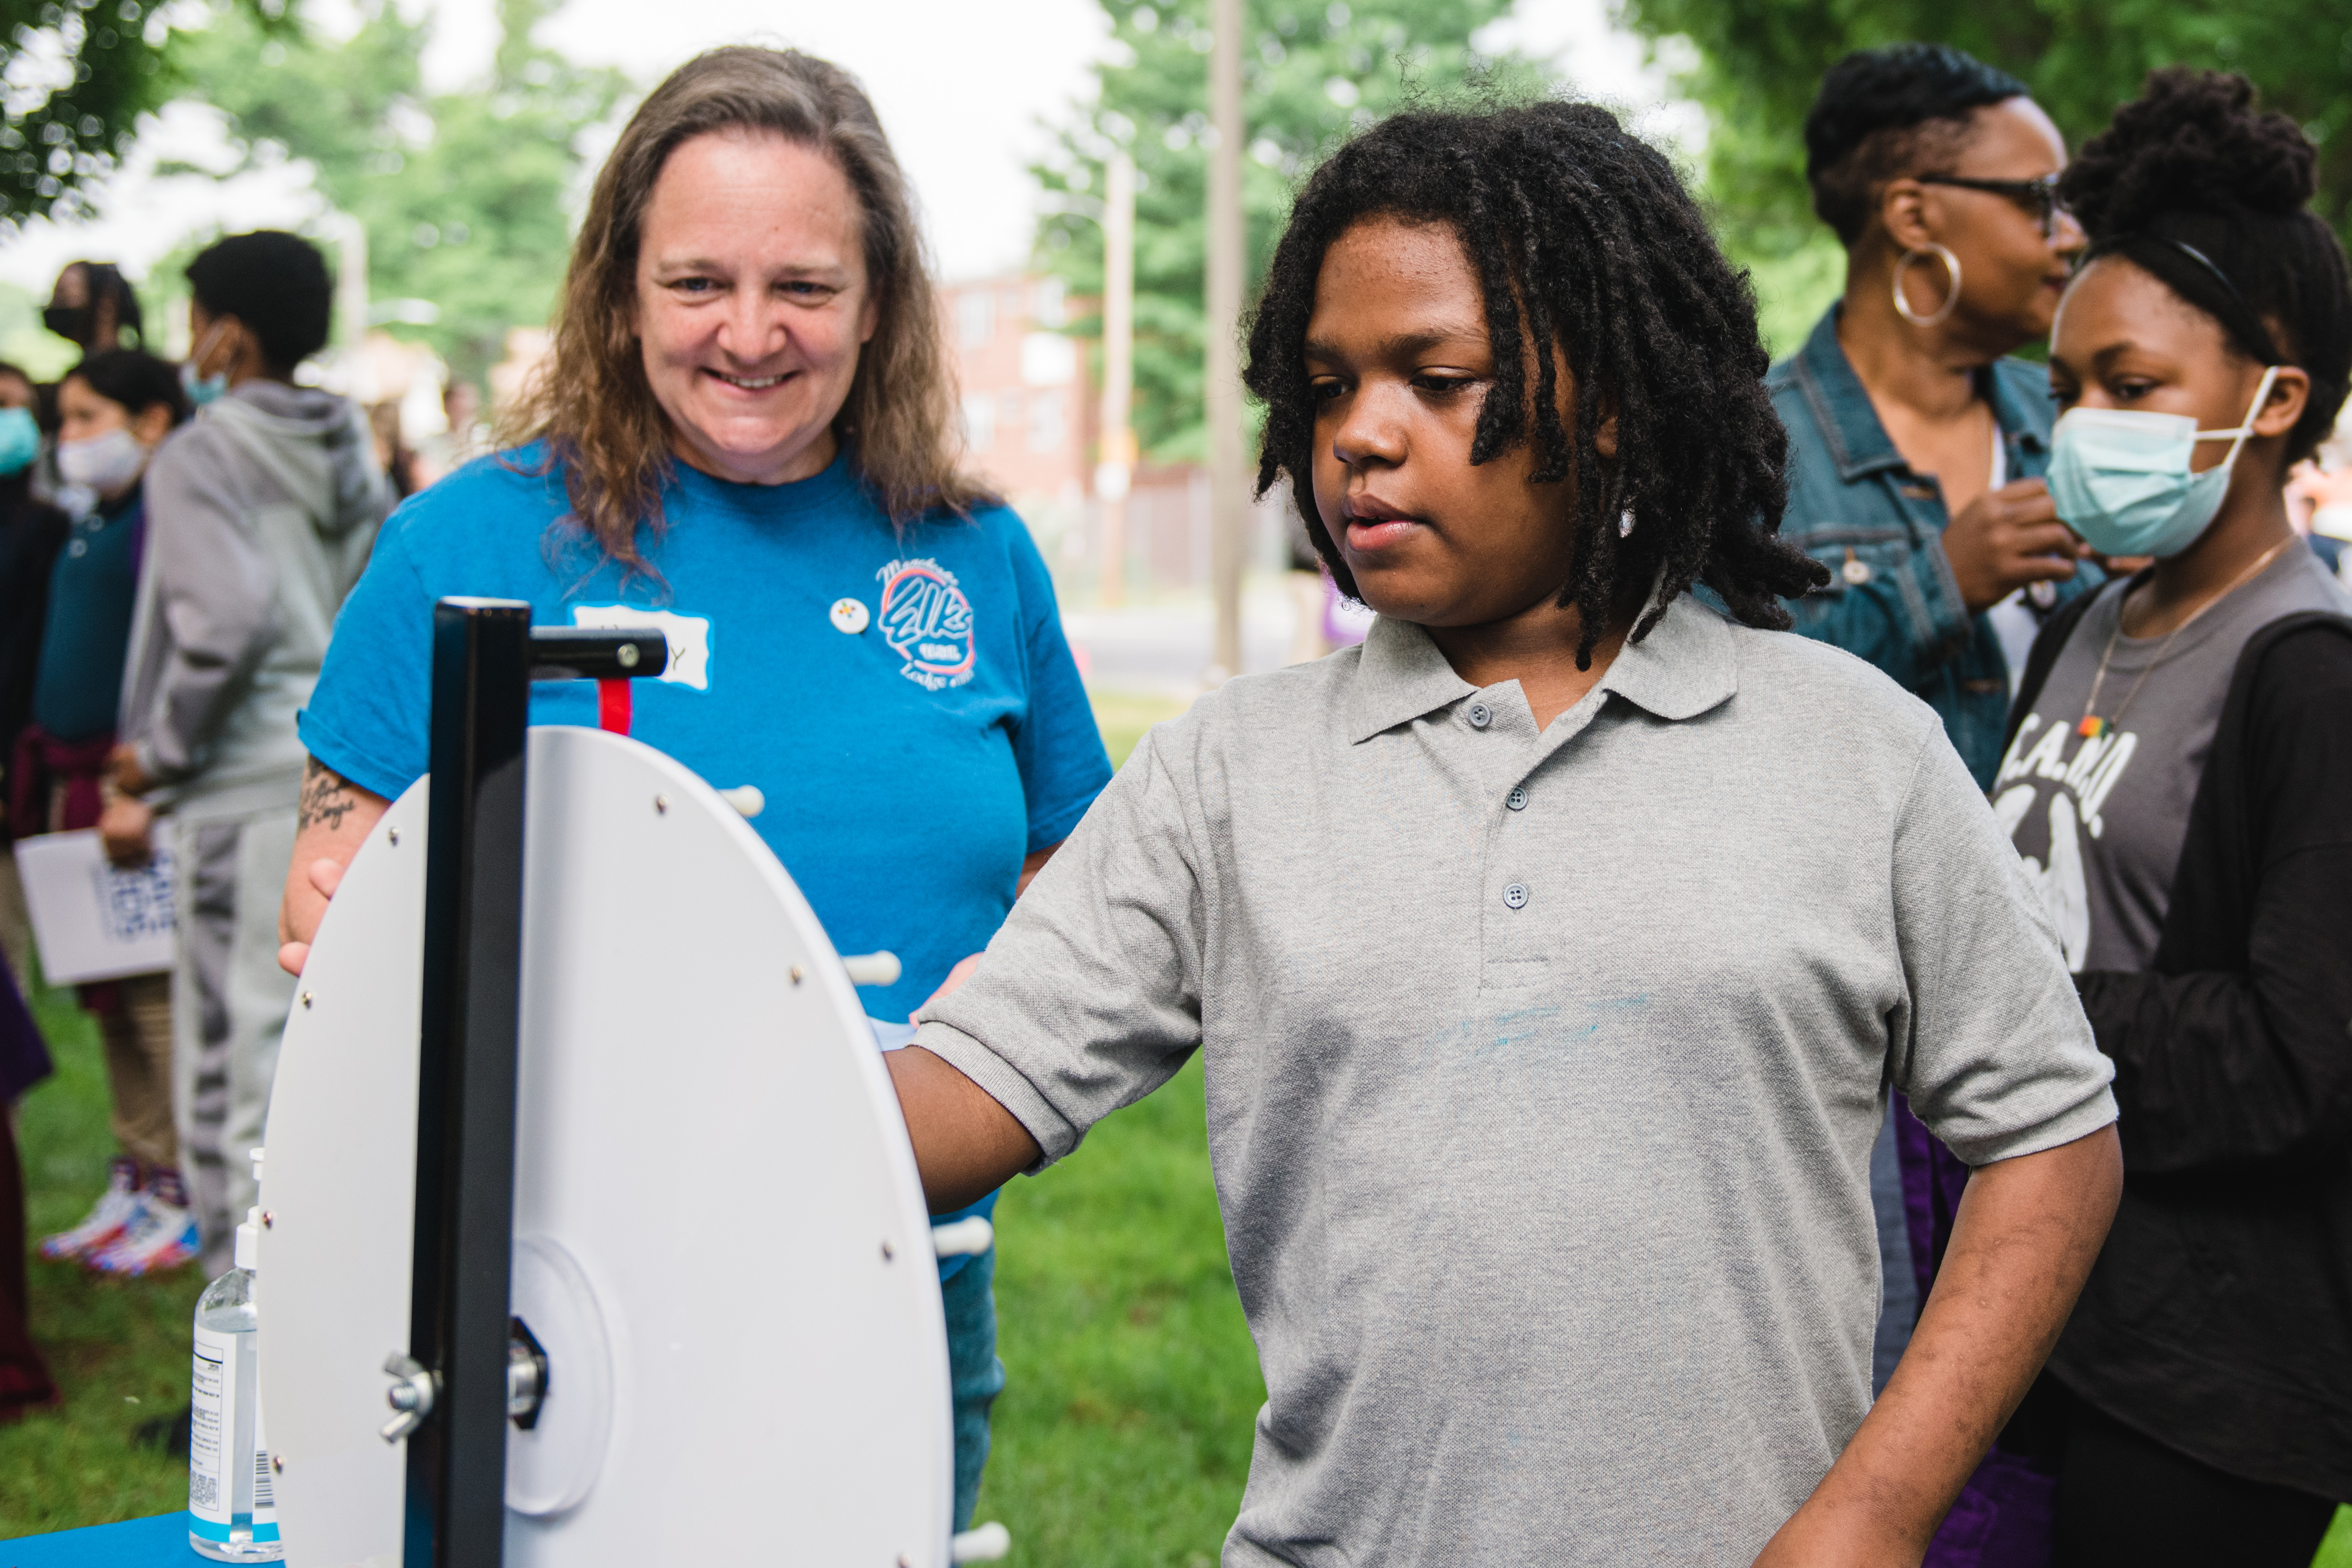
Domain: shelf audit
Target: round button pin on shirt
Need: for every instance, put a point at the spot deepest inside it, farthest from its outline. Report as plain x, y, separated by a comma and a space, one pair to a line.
1855, 570
849, 615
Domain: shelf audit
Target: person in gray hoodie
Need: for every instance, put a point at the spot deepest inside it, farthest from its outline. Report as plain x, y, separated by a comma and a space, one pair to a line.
262, 511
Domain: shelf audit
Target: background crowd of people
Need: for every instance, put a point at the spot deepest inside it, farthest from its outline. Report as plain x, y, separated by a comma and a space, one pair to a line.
2110, 570
179, 539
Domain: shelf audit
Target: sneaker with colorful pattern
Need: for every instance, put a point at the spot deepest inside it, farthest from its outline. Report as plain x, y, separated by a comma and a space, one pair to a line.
162, 1237
106, 1220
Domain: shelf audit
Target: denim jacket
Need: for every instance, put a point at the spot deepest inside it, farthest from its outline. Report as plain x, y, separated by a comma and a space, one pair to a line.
1856, 506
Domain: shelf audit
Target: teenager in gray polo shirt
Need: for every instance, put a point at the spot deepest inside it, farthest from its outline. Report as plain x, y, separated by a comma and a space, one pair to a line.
1550, 953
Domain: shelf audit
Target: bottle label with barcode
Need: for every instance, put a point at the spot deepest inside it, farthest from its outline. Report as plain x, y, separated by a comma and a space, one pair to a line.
265, 1488
212, 1431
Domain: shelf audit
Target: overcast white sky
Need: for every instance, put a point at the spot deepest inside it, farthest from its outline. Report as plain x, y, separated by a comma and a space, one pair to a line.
961, 84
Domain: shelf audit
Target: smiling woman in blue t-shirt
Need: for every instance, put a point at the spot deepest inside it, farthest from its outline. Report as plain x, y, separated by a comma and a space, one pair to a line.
745, 438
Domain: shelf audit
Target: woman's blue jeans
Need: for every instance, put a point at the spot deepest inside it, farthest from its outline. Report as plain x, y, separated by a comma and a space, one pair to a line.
976, 1375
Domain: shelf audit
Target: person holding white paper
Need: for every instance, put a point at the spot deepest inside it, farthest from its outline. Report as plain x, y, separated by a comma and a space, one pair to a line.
114, 411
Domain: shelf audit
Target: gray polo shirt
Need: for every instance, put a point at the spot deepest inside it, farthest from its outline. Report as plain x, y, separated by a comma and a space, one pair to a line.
1543, 1069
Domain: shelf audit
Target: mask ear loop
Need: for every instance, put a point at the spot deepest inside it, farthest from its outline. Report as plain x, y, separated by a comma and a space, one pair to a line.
196, 355
2245, 431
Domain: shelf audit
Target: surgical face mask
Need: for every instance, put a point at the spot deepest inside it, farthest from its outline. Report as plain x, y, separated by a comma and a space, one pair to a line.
20, 440
105, 464
202, 390
2120, 476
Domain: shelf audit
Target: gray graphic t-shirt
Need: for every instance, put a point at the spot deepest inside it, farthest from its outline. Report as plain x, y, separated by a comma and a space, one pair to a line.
2100, 819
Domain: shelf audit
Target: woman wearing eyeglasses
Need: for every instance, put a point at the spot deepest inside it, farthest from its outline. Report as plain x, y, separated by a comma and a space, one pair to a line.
1918, 449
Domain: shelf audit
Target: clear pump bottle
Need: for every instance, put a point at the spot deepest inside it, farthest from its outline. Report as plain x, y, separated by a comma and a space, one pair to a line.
232, 1511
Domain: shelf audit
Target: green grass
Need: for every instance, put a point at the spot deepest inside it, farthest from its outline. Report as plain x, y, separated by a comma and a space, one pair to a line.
1123, 717
119, 1349
1122, 1438
2336, 1551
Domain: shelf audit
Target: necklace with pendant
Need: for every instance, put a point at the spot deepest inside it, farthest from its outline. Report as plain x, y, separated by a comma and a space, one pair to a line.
2091, 727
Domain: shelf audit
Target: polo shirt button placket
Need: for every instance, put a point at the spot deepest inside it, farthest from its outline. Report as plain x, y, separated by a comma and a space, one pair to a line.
1480, 716
1515, 896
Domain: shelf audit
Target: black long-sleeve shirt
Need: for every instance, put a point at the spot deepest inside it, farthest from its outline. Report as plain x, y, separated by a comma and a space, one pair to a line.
2218, 1319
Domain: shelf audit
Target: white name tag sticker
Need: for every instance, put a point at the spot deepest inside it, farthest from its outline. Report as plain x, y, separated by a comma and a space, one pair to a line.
688, 637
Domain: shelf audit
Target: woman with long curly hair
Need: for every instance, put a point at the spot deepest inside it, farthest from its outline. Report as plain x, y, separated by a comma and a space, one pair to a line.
2176, 778
746, 436
1550, 953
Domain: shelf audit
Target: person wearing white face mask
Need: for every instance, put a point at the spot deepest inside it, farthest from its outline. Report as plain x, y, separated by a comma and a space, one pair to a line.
114, 410
2179, 752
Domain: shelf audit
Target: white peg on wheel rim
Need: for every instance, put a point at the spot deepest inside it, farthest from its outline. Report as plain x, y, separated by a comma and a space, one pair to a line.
871, 969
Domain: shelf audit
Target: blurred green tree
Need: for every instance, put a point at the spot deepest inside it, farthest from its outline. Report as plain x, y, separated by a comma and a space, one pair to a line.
74, 78
463, 195
1311, 71
1761, 61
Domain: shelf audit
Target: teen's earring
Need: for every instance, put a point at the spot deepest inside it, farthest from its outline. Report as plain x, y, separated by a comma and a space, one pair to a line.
1625, 522
1902, 306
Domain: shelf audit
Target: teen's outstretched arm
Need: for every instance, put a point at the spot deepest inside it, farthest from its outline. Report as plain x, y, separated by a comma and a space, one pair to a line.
966, 1144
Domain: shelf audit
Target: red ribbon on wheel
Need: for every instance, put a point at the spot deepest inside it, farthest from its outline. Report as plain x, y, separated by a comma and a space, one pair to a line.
613, 706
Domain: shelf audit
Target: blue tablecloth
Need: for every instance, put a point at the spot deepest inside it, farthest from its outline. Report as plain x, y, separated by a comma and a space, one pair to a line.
158, 1542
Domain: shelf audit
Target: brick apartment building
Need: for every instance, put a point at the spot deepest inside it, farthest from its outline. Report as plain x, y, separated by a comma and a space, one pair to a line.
1031, 419
1029, 407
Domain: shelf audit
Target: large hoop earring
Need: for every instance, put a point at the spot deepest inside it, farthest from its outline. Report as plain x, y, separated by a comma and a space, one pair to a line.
1903, 307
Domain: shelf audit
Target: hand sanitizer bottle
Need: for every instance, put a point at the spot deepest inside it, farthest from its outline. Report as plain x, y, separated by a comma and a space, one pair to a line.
232, 1513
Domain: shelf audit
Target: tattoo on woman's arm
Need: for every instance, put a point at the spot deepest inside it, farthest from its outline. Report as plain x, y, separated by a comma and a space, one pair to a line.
326, 796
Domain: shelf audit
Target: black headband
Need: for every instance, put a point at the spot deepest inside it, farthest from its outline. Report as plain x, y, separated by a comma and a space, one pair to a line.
2237, 317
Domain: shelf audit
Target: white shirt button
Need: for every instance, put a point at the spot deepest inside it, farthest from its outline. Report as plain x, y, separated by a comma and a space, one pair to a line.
849, 615
1855, 570
1516, 800
1481, 715
1515, 896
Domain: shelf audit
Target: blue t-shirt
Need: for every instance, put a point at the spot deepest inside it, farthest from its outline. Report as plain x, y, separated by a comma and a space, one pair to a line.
912, 749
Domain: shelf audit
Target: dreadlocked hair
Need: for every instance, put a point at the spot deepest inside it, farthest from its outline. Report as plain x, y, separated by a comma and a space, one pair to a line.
1585, 245
2192, 163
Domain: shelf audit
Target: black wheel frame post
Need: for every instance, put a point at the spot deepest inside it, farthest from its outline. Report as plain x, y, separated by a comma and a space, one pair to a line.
463, 1238
485, 657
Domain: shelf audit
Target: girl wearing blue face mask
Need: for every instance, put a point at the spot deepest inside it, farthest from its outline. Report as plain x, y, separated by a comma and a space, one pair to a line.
2179, 757
114, 410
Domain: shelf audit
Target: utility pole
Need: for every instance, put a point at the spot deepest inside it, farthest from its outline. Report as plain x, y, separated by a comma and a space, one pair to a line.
1228, 506
1115, 470
349, 237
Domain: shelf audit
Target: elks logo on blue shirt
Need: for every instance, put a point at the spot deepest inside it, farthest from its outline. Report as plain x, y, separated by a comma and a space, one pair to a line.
927, 621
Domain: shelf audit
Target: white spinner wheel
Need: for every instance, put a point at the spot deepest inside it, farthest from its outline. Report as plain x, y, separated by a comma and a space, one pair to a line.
721, 1242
